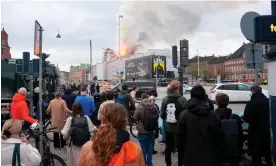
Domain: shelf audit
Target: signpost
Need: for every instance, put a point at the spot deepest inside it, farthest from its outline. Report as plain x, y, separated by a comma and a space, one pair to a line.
38, 52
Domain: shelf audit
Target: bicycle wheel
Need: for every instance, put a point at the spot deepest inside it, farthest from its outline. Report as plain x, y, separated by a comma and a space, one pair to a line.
49, 136
52, 160
134, 134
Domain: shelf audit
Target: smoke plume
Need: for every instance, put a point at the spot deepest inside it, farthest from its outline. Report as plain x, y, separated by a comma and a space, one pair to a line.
162, 24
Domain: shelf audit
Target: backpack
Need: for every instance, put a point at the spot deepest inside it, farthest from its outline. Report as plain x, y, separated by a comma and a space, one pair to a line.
230, 137
150, 117
122, 99
173, 110
79, 131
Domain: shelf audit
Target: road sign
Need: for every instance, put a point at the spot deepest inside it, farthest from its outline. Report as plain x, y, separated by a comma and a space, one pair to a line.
254, 56
247, 25
37, 42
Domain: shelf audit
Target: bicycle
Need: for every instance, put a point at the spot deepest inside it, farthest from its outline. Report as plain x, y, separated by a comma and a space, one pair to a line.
48, 158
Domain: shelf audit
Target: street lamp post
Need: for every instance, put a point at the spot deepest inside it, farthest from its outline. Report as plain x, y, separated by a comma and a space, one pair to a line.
120, 16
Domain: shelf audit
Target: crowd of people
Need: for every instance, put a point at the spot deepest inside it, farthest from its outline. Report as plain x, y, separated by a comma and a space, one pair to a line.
93, 128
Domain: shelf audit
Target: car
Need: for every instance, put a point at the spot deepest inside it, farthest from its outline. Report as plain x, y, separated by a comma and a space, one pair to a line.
148, 87
187, 88
237, 92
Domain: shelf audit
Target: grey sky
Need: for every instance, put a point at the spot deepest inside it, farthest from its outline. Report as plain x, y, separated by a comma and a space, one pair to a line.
218, 31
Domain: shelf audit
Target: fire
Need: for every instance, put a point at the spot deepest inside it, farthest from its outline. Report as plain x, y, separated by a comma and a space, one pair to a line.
123, 52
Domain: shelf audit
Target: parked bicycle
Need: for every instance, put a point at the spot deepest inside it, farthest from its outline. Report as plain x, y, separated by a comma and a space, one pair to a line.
48, 158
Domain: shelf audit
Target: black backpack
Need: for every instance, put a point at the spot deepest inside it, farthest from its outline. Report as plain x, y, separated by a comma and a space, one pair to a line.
150, 117
230, 138
173, 110
79, 131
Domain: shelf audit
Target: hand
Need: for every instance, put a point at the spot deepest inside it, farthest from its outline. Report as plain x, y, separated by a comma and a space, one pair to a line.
24, 138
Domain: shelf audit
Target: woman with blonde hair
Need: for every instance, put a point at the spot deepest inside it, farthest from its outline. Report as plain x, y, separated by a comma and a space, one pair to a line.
15, 148
111, 145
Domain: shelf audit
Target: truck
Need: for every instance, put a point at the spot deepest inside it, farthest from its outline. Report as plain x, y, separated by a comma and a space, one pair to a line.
12, 79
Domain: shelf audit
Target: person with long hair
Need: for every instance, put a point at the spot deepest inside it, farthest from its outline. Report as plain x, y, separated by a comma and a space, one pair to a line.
109, 96
58, 110
12, 141
80, 124
111, 145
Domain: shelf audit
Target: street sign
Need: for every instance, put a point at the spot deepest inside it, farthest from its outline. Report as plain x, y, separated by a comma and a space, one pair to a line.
247, 25
265, 29
37, 42
254, 56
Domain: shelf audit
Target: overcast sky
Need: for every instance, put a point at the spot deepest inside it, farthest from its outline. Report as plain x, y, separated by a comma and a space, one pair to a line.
218, 31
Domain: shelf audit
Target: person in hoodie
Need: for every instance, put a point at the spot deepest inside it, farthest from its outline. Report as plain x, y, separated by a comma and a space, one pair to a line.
19, 108
198, 129
111, 145
170, 116
222, 101
69, 97
146, 114
109, 96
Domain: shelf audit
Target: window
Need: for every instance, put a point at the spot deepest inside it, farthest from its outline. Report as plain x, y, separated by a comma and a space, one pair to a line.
228, 87
243, 87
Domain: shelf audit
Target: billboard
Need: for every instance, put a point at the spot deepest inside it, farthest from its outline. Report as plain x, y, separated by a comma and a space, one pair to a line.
140, 68
159, 66
37, 38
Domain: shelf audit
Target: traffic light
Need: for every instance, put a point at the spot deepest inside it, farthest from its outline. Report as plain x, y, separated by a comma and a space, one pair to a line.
44, 65
174, 56
35, 66
184, 52
26, 62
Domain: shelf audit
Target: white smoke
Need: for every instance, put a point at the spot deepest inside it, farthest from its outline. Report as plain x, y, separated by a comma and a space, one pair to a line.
162, 24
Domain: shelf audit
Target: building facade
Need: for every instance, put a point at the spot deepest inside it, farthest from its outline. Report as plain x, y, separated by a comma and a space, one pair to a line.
79, 74
5, 48
64, 77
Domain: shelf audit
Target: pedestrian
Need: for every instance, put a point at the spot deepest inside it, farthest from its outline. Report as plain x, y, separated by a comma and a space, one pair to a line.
210, 102
69, 97
77, 131
111, 145
92, 89
87, 102
97, 102
98, 88
156, 132
199, 131
109, 95
14, 143
231, 127
172, 105
257, 115
125, 99
58, 109
146, 114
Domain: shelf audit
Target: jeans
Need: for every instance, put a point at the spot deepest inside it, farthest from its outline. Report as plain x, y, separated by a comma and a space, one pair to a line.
146, 142
170, 147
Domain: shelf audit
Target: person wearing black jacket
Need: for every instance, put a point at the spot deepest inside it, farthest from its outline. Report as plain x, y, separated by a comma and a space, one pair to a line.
257, 114
210, 102
69, 97
222, 100
198, 129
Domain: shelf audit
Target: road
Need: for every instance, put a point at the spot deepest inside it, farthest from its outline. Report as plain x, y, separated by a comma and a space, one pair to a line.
158, 159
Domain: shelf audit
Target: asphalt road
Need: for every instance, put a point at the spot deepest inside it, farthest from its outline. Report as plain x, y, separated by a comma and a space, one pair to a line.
158, 159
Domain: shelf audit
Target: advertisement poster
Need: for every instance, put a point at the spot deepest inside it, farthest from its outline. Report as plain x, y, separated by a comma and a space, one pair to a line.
159, 66
138, 68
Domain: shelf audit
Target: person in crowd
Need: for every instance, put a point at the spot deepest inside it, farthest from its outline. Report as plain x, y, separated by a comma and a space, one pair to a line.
92, 89
88, 90
97, 102
69, 97
74, 87
210, 102
77, 131
133, 94
109, 95
111, 145
235, 122
199, 131
86, 102
20, 109
146, 114
125, 99
98, 87
58, 110
257, 115
172, 105
156, 132
12, 143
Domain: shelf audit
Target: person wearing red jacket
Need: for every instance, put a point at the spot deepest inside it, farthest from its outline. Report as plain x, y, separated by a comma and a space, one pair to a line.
19, 107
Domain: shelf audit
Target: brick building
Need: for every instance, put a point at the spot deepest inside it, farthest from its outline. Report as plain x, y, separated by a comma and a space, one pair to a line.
203, 66
216, 67
79, 73
5, 48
